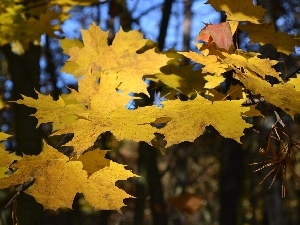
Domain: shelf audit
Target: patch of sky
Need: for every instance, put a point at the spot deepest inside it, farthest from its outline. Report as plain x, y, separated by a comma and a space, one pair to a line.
158, 99
148, 15
9, 85
4, 127
131, 104
149, 23
297, 50
66, 79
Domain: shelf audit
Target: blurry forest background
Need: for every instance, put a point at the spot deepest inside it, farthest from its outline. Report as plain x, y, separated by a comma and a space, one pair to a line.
206, 182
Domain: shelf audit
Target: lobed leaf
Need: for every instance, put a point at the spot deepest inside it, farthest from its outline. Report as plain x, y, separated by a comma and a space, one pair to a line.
239, 10
57, 180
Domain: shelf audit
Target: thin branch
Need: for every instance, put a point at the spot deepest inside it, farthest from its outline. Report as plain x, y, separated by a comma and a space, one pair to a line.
164, 23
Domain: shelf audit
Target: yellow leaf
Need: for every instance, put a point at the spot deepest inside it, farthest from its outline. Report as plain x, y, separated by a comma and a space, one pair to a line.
282, 95
252, 112
93, 161
261, 67
4, 136
121, 58
239, 10
17, 47
123, 123
235, 92
137, 125
183, 79
295, 82
87, 88
66, 44
233, 26
74, 2
189, 119
19, 28
213, 81
49, 110
3, 171
57, 180
98, 117
280, 40
7, 158
211, 63
100, 190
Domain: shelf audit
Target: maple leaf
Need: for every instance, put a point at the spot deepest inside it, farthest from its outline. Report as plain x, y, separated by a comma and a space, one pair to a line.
7, 158
121, 58
49, 110
252, 112
220, 33
213, 81
295, 82
87, 89
74, 2
235, 92
189, 119
4, 136
93, 161
57, 180
211, 63
23, 22
233, 26
281, 95
239, 10
137, 125
21, 29
280, 40
261, 67
98, 117
123, 123
183, 79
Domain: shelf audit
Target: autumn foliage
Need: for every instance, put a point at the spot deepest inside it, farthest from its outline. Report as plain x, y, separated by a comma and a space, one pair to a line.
107, 77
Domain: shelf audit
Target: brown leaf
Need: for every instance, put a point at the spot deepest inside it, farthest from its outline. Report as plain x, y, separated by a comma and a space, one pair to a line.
188, 203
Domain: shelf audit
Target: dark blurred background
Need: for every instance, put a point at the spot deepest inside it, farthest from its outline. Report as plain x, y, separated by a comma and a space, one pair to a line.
206, 182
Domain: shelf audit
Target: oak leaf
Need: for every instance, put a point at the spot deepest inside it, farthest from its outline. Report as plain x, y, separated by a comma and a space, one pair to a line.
57, 180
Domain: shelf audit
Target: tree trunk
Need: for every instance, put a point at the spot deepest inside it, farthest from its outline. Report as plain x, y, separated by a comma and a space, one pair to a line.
25, 72
231, 181
164, 23
151, 182
187, 25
